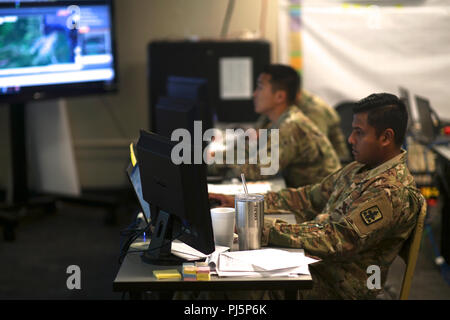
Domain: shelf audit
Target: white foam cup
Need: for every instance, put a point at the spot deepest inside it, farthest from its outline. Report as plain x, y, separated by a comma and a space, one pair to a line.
223, 221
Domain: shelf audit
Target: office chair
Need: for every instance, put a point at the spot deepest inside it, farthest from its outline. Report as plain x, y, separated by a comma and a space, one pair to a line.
410, 251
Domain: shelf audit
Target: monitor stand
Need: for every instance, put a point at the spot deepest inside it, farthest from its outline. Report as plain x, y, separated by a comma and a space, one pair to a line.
159, 249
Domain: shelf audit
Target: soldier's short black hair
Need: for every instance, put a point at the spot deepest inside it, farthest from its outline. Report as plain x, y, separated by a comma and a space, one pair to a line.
285, 78
385, 111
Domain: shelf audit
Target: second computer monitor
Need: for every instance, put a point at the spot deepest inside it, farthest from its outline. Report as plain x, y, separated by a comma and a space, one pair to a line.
404, 96
427, 127
177, 195
175, 113
185, 102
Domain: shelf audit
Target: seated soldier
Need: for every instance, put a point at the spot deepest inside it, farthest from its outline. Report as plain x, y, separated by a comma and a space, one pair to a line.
305, 154
357, 217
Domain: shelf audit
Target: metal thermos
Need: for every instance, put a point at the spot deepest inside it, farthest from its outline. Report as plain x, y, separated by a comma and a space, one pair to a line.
249, 220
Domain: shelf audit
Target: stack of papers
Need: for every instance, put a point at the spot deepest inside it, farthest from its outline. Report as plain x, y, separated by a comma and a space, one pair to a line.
260, 263
266, 262
188, 253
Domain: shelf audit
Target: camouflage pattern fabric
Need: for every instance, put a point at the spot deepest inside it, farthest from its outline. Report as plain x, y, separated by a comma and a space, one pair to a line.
326, 119
305, 154
353, 219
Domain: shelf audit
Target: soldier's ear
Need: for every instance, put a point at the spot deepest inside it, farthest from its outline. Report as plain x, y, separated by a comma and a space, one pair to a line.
280, 96
299, 96
387, 137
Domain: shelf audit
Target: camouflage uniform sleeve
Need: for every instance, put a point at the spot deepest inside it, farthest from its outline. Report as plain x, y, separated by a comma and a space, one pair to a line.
305, 202
365, 223
293, 145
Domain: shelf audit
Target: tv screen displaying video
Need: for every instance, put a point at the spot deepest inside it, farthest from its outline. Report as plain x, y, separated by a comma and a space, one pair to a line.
46, 47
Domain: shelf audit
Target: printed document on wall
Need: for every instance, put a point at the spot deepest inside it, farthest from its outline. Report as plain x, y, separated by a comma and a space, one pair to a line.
236, 78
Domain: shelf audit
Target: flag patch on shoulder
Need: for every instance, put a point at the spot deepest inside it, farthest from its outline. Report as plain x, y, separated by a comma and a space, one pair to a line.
371, 215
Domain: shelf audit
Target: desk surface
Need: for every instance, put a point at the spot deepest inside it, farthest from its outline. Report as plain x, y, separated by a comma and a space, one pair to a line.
442, 150
263, 186
135, 275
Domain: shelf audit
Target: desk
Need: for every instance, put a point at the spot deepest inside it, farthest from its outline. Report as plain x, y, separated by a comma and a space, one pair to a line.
230, 188
136, 277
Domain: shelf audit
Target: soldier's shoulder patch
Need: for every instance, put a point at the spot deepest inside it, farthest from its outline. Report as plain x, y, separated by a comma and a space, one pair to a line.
371, 215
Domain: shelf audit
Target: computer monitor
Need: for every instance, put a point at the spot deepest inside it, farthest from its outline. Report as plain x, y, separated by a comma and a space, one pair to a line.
230, 67
52, 49
187, 87
175, 113
404, 96
195, 89
427, 123
183, 94
178, 199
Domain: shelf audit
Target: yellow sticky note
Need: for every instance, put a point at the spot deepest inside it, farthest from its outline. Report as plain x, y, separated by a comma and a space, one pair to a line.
190, 270
132, 156
167, 274
203, 277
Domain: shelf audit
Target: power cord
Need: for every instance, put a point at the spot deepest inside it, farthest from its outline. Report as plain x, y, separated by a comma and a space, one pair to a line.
136, 233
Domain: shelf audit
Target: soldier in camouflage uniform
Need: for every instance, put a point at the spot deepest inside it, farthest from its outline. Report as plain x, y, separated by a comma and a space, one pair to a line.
305, 154
326, 119
358, 216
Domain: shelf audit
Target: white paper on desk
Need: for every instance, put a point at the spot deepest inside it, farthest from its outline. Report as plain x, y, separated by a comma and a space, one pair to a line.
213, 260
262, 260
289, 272
232, 189
230, 263
188, 253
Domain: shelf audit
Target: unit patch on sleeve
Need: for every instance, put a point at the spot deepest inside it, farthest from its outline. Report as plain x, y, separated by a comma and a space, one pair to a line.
371, 215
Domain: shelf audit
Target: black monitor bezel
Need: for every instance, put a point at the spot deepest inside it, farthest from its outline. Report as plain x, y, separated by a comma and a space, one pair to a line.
405, 97
426, 114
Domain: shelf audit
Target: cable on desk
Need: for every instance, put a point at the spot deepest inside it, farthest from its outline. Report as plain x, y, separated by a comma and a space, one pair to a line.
135, 228
125, 249
135, 233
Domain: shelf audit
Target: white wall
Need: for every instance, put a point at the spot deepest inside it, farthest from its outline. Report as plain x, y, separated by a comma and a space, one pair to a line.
351, 51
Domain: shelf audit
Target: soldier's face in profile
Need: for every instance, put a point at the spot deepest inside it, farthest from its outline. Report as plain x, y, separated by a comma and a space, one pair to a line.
263, 96
366, 145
